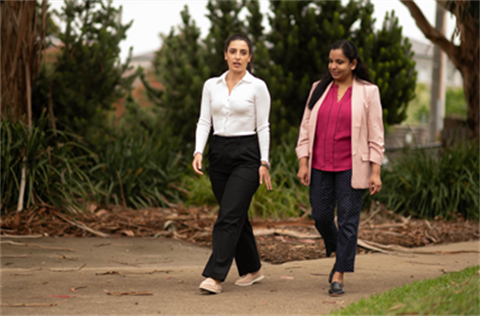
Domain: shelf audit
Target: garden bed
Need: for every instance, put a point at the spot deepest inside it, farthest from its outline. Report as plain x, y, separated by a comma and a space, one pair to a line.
278, 241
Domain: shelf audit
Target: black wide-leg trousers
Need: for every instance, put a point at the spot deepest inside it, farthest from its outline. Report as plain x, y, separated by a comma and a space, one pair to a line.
233, 170
326, 190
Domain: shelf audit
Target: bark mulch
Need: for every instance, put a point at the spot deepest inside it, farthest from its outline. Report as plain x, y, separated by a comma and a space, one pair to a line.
278, 241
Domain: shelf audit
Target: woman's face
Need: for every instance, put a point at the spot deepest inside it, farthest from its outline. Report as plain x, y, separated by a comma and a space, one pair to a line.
238, 56
339, 66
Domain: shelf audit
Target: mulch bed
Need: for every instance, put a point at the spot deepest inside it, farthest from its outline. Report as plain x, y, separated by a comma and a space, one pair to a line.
277, 241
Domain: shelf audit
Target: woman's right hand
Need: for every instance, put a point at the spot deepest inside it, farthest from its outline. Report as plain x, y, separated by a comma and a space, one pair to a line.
197, 163
302, 174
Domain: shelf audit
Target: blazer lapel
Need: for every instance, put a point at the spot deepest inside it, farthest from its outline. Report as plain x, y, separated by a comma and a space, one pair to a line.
357, 111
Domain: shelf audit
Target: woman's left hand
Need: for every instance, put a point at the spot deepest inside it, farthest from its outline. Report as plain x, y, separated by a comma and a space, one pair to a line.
264, 174
375, 183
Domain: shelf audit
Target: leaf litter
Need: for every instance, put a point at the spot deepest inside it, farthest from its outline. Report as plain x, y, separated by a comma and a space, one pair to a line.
278, 241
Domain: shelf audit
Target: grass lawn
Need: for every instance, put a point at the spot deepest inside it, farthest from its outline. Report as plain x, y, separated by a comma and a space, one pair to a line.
452, 294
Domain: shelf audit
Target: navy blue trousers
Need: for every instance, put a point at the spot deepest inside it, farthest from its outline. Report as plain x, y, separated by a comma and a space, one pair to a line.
328, 189
233, 170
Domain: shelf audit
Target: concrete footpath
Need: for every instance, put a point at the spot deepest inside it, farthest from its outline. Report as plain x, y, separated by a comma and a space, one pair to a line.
74, 276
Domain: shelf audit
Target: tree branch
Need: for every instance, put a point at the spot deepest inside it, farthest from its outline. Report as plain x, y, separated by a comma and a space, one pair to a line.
429, 31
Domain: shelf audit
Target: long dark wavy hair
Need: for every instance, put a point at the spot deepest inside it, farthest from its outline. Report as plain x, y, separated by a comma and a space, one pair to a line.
240, 37
360, 72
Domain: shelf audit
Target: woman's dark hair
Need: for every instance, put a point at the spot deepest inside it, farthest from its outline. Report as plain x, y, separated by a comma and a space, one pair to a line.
360, 72
241, 37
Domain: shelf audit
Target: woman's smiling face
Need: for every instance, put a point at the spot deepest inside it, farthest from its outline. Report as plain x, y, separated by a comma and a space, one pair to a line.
238, 56
339, 66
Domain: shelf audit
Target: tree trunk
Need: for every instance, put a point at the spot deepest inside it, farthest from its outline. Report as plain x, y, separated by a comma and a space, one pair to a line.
19, 55
465, 57
470, 87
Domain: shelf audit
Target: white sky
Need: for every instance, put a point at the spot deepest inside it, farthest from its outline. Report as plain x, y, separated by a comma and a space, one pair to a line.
152, 17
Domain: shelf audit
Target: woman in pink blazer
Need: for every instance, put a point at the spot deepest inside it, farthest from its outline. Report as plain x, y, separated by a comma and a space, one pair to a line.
340, 150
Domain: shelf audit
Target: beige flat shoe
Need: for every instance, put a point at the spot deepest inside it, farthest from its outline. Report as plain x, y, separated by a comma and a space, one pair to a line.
210, 286
250, 278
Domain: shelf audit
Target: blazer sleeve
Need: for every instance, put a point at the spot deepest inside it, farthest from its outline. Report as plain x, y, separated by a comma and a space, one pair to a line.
375, 127
302, 148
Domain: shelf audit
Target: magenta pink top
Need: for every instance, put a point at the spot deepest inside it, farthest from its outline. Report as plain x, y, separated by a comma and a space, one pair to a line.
332, 148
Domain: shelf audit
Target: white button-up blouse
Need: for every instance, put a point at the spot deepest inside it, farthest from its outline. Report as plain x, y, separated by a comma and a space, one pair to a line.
244, 112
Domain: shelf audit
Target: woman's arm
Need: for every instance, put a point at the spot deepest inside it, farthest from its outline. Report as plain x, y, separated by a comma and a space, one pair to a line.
262, 113
375, 140
203, 129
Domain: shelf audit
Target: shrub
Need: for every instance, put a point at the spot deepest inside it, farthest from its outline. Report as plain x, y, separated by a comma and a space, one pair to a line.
425, 185
138, 169
55, 165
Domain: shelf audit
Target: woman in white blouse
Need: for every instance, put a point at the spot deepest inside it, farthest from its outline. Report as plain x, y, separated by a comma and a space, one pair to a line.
238, 106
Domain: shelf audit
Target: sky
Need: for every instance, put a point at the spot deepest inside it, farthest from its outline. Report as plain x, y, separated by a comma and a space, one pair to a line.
152, 17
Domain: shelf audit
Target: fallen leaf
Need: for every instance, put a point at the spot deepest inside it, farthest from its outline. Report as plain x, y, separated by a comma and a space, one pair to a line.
168, 277
104, 244
74, 289
20, 274
396, 307
128, 293
63, 257
110, 272
129, 233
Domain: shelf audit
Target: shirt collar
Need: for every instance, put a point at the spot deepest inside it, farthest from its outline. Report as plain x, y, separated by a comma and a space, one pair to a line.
247, 78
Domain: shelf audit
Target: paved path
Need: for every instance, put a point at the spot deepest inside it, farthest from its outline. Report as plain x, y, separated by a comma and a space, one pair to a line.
34, 275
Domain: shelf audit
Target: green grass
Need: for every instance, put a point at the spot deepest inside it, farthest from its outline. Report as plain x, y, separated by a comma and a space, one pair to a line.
452, 294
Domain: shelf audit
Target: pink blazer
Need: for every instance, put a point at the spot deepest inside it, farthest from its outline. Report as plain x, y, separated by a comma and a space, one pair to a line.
367, 131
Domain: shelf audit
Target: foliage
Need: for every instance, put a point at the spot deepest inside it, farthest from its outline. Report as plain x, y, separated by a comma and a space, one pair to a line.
51, 28
180, 66
393, 69
55, 167
455, 104
452, 294
139, 165
87, 77
424, 185
418, 108
300, 38
224, 21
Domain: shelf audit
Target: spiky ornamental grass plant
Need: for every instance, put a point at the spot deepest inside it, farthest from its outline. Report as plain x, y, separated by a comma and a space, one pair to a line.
426, 185
56, 164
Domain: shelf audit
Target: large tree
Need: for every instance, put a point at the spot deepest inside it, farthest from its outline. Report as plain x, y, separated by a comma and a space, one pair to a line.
464, 56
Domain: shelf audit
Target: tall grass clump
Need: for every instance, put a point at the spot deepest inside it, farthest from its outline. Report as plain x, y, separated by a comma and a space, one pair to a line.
55, 164
139, 169
425, 185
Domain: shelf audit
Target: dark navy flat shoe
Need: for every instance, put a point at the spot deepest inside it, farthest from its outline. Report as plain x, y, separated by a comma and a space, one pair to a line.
336, 289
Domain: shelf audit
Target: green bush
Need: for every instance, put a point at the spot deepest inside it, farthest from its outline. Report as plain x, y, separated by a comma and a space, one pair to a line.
55, 167
424, 185
138, 169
